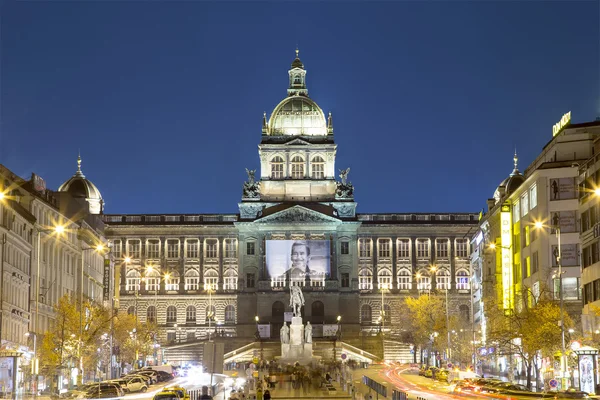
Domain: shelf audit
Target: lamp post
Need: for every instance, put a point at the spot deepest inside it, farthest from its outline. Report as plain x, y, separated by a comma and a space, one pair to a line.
563, 361
58, 229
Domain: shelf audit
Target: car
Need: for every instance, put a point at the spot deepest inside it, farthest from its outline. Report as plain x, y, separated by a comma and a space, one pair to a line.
149, 373
489, 385
132, 384
163, 376
464, 387
146, 378
167, 395
103, 390
571, 394
181, 390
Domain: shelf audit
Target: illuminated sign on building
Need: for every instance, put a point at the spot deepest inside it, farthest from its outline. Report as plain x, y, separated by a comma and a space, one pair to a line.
506, 246
564, 121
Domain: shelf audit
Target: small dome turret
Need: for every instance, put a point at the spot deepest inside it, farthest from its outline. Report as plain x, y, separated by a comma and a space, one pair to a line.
510, 184
80, 187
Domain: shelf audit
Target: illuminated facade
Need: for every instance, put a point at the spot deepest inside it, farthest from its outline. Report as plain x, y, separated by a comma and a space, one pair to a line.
193, 272
512, 261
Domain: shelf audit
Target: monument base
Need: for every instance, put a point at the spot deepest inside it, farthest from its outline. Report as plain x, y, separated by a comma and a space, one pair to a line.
296, 350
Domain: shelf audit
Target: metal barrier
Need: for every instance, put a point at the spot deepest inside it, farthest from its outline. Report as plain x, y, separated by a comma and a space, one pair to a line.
399, 395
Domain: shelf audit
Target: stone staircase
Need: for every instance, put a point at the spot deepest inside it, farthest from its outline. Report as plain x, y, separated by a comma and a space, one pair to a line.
397, 351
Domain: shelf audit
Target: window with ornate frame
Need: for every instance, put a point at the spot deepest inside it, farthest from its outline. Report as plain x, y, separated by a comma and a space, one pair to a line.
277, 168
190, 314
192, 279
116, 249
462, 279
441, 248
173, 248
171, 314
403, 248
172, 281
132, 281
423, 281
404, 279
152, 280
212, 248
462, 248
422, 248
153, 248
230, 280
384, 279
364, 248
384, 248
442, 279
230, 314
297, 167
317, 166
230, 248
365, 279
133, 248
193, 247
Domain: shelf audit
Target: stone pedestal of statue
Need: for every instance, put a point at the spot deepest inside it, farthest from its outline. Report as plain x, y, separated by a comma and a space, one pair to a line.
296, 350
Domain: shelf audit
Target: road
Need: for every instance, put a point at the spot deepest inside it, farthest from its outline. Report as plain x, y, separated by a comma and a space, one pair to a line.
407, 380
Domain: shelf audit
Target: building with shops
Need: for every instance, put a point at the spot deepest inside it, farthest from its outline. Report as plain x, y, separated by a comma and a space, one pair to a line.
40, 263
513, 262
229, 274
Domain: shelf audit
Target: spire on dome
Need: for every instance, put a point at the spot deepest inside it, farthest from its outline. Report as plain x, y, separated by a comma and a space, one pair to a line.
79, 173
329, 124
515, 161
297, 78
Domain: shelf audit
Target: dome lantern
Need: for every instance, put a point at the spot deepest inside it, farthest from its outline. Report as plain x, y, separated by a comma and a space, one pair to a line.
297, 78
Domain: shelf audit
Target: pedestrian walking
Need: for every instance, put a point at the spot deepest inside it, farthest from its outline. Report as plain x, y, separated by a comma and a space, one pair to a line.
259, 394
267, 395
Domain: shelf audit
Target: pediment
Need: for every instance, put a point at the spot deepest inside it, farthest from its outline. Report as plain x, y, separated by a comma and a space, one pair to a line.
297, 142
297, 215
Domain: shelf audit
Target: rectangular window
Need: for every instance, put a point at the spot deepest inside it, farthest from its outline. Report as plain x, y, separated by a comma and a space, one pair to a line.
570, 289
422, 248
524, 204
133, 249
230, 248
250, 281
526, 237
441, 248
516, 212
345, 247
365, 282
384, 248
153, 250
403, 248
527, 266
230, 283
193, 248
533, 196
192, 282
534, 263
364, 246
345, 279
276, 170
211, 248
172, 248
250, 248
116, 249
462, 248
318, 170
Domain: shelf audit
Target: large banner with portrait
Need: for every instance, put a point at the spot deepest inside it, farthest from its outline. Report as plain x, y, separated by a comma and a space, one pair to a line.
296, 259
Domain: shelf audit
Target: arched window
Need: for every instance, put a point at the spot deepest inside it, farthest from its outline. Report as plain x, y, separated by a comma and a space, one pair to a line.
277, 310
152, 280
211, 280
365, 279
192, 279
297, 167
190, 314
462, 280
297, 80
464, 313
133, 280
384, 279
211, 312
172, 282
171, 315
277, 168
442, 279
365, 314
230, 314
131, 310
404, 279
387, 313
317, 309
423, 281
317, 167
151, 314
230, 279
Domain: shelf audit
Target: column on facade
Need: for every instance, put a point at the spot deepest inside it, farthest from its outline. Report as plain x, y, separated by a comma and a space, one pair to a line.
394, 259
181, 266
452, 253
432, 250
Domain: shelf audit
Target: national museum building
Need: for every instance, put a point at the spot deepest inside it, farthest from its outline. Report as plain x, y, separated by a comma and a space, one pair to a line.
229, 274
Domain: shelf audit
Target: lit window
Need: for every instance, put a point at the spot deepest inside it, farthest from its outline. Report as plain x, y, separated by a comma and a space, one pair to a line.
192, 280
384, 248
211, 312
230, 280
230, 248
153, 248
365, 279
171, 314
172, 248
364, 246
152, 280
318, 168
192, 249
133, 280
403, 248
462, 248
211, 248
462, 280
423, 282
277, 168
441, 248
384, 279
422, 248
116, 249
533, 197
442, 279
133, 248
297, 167
172, 282
404, 279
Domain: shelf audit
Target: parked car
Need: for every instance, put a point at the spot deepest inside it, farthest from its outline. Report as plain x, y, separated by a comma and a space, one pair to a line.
164, 376
147, 372
146, 378
571, 394
132, 384
442, 375
104, 390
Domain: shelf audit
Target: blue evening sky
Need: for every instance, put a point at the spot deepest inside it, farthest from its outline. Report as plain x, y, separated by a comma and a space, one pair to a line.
165, 99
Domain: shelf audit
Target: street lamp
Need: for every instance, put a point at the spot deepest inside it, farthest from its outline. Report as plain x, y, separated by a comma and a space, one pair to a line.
563, 361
